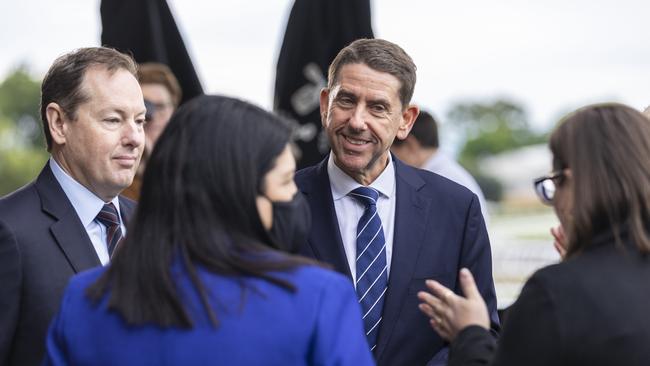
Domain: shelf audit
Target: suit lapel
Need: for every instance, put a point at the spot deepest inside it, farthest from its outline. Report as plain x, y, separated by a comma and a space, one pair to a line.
68, 231
411, 209
127, 207
325, 237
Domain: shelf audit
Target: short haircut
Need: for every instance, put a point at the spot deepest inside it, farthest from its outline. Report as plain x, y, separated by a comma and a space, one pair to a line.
157, 73
379, 55
606, 146
62, 83
425, 131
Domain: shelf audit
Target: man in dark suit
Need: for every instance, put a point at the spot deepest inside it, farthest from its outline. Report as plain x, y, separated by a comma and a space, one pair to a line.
70, 218
384, 224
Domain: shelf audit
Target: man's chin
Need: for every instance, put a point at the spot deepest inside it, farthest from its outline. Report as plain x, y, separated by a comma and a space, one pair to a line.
352, 164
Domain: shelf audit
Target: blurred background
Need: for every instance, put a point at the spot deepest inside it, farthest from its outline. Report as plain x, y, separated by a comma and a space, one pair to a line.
497, 75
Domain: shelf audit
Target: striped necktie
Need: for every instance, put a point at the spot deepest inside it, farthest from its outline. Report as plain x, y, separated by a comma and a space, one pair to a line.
108, 217
372, 275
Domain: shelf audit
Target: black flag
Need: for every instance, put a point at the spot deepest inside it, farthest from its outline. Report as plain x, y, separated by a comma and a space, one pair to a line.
146, 29
317, 30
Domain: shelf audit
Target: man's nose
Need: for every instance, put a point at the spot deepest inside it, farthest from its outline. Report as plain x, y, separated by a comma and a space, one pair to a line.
358, 118
133, 134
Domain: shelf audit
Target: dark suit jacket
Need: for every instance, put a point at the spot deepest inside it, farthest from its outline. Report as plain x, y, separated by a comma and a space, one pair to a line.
42, 244
438, 230
591, 309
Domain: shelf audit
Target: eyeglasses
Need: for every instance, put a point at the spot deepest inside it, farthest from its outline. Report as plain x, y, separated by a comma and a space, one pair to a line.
545, 186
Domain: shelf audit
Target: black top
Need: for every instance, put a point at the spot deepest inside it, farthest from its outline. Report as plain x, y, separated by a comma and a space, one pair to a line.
591, 309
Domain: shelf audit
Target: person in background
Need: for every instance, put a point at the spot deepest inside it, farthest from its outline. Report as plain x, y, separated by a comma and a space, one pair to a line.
591, 308
204, 277
421, 149
385, 225
162, 95
71, 217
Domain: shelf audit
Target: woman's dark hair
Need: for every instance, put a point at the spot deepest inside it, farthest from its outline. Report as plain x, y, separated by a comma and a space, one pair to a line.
198, 207
607, 148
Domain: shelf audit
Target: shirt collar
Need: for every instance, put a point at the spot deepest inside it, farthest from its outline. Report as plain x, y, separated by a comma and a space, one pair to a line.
86, 203
342, 184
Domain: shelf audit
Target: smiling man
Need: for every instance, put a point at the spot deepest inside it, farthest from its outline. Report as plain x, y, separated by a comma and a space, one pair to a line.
384, 224
71, 217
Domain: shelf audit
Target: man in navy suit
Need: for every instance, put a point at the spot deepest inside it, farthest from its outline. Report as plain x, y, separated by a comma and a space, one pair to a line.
429, 226
70, 218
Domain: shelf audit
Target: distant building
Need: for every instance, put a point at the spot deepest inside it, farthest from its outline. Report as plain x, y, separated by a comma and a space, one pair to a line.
516, 170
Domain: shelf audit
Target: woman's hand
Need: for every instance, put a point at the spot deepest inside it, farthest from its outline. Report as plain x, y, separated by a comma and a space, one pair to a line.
559, 240
450, 313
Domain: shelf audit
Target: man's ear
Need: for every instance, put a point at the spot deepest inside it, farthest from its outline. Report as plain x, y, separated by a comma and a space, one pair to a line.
324, 105
57, 122
408, 118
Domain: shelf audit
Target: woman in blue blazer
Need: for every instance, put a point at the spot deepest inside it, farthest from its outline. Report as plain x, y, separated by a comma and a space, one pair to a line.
204, 276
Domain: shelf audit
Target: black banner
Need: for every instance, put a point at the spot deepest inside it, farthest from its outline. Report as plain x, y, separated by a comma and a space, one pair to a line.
146, 29
316, 31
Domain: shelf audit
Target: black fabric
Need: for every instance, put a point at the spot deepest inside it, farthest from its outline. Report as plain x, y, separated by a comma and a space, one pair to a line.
588, 310
147, 30
474, 345
316, 31
291, 223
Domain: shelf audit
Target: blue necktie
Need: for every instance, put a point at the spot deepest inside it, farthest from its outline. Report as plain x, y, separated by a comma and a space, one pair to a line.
108, 217
372, 275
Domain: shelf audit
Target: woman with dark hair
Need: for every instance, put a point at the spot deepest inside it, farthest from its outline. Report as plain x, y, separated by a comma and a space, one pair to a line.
204, 276
592, 308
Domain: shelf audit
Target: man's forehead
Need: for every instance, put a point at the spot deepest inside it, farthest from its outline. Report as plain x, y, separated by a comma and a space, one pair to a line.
362, 75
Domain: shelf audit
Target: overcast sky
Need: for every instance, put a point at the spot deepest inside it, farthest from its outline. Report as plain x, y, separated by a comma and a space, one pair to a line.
551, 56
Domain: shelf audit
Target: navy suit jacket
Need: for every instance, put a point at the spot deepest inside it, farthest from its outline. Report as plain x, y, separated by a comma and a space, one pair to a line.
438, 230
42, 244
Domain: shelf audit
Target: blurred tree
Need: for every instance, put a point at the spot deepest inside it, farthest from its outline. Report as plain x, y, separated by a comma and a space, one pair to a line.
489, 129
22, 146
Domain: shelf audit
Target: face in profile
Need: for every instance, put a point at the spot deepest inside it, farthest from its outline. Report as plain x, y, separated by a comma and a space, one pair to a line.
160, 107
362, 114
102, 146
279, 186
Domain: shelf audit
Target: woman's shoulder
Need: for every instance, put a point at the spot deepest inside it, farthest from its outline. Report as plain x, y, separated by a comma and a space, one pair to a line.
313, 280
311, 274
82, 280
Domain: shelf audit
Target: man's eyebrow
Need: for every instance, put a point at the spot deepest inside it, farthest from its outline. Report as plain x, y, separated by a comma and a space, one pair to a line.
379, 100
120, 111
345, 93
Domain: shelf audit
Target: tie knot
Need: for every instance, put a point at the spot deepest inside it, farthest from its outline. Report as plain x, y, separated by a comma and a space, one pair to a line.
108, 215
366, 195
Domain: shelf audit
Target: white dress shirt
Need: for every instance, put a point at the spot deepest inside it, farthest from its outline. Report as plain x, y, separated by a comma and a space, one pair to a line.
87, 205
349, 210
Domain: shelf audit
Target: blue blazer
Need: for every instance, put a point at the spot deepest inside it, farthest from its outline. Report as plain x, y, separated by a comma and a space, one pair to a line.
438, 230
42, 244
319, 324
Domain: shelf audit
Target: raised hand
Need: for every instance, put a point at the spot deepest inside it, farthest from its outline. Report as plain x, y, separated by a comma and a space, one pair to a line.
449, 313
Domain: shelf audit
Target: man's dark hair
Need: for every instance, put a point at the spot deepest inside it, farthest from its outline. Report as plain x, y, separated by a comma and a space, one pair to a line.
198, 208
62, 83
425, 131
379, 55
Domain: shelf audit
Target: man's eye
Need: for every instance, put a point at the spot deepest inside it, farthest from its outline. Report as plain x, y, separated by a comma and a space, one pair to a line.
345, 101
378, 108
